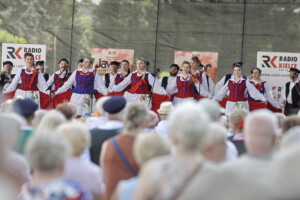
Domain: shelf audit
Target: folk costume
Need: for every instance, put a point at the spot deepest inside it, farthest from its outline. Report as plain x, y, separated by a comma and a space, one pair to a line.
32, 83
237, 97
263, 88
84, 84
140, 89
184, 88
58, 79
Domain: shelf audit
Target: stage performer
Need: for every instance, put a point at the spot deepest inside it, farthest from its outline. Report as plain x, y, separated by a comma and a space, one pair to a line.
184, 85
84, 81
57, 80
238, 88
6, 76
143, 87
286, 95
264, 89
198, 71
28, 82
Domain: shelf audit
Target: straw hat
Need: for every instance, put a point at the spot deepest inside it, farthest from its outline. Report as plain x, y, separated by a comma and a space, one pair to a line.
165, 108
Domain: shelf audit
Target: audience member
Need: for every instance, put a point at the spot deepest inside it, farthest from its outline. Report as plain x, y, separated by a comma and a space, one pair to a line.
47, 153
76, 169
117, 153
146, 147
169, 177
113, 109
162, 127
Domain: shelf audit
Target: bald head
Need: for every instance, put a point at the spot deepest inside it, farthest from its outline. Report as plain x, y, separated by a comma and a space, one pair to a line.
259, 129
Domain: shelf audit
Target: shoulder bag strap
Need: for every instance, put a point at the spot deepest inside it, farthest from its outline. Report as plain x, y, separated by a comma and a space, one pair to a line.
186, 182
122, 156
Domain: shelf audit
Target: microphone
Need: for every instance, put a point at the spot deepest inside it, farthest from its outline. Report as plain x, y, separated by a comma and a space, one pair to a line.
157, 70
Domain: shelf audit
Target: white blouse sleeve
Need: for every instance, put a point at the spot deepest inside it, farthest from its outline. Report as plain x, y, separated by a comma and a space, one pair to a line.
172, 86
203, 91
158, 89
12, 87
121, 86
99, 84
68, 84
221, 93
270, 96
219, 85
42, 84
254, 92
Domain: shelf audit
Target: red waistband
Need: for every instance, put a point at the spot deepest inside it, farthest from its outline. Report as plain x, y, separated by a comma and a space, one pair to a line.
27, 89
183, 95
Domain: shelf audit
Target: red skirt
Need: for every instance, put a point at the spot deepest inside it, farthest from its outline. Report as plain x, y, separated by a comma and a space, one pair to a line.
253, 105
61, 98
7, 96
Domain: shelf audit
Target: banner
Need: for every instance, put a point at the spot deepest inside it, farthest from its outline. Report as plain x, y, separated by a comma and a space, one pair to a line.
206, 58
105, 56
275, 68
15, 53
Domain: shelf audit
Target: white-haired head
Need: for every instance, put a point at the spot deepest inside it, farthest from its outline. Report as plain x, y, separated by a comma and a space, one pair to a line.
212, 108
152, 119
38, 115
188, 124
135, 116
150, 145
51, 121
260, 132
99, 105
291, 138
77, 135
10, 127
214, 143
46, 151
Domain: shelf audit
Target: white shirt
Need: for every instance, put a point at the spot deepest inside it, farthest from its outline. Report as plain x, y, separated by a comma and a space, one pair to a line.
111, 125
98, 83
288, 99
162, 128
127, 81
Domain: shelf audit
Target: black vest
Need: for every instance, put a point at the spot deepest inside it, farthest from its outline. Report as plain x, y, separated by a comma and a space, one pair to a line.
287, 89
296, 96
240, 146
164, 82
107, 80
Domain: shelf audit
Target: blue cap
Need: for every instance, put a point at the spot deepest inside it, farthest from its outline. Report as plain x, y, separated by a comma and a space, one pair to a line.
294, 70
25, 107
114, 105
238, 64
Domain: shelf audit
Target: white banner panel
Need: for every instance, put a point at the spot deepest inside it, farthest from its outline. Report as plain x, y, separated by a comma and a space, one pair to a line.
15, 53
275, 68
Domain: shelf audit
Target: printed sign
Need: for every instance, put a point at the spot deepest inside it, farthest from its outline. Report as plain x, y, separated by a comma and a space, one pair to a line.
15, 53
275, 68
209, 59
105, 56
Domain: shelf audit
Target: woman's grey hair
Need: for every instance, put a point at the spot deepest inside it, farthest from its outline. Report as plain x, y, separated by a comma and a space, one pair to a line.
212, 108
99, 105
51, 121
77, 135
38, 116
150, 145
216, 132
10, 127
188, 124
135, 115
46, 151
291, 138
